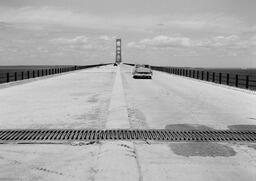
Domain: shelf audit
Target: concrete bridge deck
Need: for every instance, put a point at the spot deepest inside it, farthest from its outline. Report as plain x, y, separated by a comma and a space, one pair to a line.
108, 97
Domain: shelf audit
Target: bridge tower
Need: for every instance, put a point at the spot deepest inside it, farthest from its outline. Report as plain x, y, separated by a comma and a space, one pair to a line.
118, 51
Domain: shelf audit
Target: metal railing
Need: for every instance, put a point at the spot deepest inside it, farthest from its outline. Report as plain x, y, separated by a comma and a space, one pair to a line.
227, 78
17, 75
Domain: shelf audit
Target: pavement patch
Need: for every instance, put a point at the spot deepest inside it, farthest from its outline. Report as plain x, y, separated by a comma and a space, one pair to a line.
79, 94
188, 127
242, 127
252, 146
87, 116
93, 98
137, 118
202, 149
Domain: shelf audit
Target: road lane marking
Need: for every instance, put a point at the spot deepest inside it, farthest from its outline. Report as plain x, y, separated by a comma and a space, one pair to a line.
117, 160
118, 115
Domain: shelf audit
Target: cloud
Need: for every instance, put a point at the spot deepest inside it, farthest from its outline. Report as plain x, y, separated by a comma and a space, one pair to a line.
76, 43
135, 45
211, 22
253, 40
231, 45
75, 40
83, 42
221, 41
220, 23
162, 42
159, 42
105, 37
49, 15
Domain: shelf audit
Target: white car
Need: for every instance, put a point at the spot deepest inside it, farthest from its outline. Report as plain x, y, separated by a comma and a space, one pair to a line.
142, 71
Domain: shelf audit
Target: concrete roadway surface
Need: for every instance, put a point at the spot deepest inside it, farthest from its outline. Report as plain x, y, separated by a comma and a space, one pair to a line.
108, 97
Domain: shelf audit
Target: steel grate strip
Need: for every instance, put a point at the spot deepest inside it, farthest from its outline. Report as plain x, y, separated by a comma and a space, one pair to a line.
64, 135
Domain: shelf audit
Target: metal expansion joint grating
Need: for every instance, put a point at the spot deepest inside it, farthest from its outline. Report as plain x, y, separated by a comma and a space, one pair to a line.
60, 135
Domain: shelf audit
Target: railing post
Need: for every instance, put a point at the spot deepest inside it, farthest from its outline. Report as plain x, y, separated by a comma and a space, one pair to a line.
207, 76
202, 75
38, 73
22, 75
227, 79
236, 80
7, 77
213, 77
15, 76
193, 73
247, 82
197, 74
28, 76
34, 74
220, 77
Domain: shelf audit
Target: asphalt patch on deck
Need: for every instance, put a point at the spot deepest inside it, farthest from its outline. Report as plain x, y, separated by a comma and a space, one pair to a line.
252, 146
245, 127
202, 149
188, 127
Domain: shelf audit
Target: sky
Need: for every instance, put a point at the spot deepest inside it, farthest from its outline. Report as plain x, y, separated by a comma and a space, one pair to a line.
190, 33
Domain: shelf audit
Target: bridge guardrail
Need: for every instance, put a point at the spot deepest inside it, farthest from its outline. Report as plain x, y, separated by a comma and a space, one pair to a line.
11, 76
227, 78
